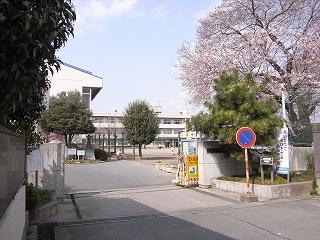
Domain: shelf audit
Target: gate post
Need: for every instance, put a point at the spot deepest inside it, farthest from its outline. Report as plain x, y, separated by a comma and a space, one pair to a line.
316, 150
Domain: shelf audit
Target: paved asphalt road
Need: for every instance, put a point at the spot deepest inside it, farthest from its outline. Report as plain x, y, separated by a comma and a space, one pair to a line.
113, 175
116, 174
135, 201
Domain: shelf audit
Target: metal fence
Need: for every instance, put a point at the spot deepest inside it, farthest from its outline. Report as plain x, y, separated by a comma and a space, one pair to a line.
12, 166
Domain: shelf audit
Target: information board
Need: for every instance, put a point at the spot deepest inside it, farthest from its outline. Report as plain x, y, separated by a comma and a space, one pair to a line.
72, 151
192, 166
81, 152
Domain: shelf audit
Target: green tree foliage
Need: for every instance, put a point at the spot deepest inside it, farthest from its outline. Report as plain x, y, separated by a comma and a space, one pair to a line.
140, 124
31, 32
239, 103
67, 115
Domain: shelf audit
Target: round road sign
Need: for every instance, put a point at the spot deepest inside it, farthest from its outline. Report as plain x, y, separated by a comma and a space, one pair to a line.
245, 137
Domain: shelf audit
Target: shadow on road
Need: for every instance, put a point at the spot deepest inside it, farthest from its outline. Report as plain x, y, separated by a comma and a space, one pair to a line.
131, 220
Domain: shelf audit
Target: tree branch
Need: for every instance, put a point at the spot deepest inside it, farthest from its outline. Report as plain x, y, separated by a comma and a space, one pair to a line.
279, 14
275, 65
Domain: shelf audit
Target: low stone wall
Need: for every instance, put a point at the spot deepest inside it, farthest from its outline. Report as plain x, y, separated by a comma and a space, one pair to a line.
42, 213
13, 221
265, 191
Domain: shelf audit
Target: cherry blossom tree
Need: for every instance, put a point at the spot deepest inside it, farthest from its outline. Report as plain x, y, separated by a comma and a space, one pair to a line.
277, 41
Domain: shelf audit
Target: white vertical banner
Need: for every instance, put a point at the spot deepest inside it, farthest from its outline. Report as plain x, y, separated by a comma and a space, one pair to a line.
283, 149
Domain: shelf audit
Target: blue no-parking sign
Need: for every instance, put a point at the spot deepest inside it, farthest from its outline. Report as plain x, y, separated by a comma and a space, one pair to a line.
245, 137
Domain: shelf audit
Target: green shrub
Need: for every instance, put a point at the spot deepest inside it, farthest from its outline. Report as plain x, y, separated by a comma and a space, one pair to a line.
32, 198
254, 179
314, 190
301, 176
101, 155
230, 178
280, 180
36, 197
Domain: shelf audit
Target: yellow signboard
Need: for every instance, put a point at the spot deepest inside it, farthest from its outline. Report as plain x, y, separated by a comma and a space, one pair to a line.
192, 166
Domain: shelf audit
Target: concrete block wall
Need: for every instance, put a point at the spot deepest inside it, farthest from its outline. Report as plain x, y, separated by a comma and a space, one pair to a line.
298, 158
214, 163
53, 172
51, 177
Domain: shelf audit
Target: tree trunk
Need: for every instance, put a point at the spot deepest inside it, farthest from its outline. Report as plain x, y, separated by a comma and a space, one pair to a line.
108, 142
140, 151
115, 141
133, 151
66, 140
70, 139
299, 110
88, 141
122, 144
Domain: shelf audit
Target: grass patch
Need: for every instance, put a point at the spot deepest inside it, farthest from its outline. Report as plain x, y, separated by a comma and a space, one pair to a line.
301, 176
253, 179
82, 161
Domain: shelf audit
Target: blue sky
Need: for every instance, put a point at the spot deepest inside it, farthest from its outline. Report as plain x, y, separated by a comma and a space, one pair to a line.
133, 45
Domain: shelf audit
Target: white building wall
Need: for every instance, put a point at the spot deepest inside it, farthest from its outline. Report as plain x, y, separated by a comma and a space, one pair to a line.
68, 79
60, 84
167, 132
12, 222
71, 78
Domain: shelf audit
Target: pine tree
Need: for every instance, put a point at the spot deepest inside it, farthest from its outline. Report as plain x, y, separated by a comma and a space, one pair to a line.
239, 103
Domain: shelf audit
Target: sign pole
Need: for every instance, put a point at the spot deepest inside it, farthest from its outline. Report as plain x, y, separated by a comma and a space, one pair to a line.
246, 138
247, 169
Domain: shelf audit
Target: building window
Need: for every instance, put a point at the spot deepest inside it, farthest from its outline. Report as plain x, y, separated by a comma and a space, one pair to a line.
177, 121
166, 131
95, 119
167, 121
86, 97
176, 131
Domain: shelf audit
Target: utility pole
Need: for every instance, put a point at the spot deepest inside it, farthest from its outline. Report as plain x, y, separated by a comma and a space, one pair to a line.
283, 100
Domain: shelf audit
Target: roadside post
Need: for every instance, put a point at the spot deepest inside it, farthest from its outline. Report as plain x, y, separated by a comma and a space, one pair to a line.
266, 161
246, 138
